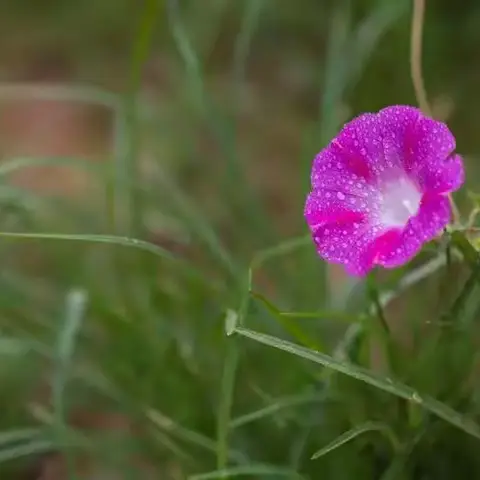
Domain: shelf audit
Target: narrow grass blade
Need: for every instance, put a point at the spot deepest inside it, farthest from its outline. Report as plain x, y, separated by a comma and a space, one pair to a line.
25, 450
357, 431
267, 254
59, 92
108, 239
282, 248
252, 470
409, 280
460, 302
75, 310
469, 253
226, 401
321, 314
127, 163
92, 238
292, 328
232, 357
335, 70
164, 423
198, 223
280, 404
369, 33
400, 461
221, 126
472, 258
186, 51
386, 384
243, 41
12, 165
204, 24
14, 346
19, 435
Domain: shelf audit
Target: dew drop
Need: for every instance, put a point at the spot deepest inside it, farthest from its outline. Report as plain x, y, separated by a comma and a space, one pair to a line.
340, 196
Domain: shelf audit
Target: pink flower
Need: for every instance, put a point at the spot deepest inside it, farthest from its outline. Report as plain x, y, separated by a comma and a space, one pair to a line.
380, 189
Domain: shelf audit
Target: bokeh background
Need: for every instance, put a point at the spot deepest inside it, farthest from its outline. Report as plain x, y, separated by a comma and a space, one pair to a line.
192, 125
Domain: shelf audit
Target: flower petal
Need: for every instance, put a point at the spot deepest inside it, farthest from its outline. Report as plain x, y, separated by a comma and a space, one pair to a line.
325, 207
402, 245
347, 243
329, 172
398, 125
359, 146
444, 176
434, 141
423, 147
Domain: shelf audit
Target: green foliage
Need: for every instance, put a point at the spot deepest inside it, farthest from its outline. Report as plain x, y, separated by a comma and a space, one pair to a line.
236, 352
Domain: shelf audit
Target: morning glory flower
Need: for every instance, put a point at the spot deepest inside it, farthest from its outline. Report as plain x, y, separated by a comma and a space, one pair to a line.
380, 189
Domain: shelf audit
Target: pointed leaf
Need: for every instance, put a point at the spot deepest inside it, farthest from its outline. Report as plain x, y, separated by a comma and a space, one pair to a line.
355, 432
386, 384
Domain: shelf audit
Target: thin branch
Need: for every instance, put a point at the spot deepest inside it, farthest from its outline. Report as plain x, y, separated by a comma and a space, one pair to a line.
418, 16
418, 19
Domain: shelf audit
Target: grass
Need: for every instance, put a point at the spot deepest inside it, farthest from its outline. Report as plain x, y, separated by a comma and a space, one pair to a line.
236, 352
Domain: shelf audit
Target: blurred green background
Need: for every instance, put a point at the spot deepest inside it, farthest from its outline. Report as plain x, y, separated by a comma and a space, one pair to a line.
191, 125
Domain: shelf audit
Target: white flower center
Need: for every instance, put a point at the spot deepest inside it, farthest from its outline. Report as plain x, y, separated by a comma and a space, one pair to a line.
400, 201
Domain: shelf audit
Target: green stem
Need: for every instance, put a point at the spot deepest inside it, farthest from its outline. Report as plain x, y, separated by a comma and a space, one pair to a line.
127, 164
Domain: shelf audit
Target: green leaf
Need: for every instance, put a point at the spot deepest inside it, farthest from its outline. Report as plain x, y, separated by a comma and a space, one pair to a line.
355, 432
466, 248
386, 384
286, 323
232, 354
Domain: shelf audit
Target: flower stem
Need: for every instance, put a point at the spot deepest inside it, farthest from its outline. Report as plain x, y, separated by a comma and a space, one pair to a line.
418, 19
416, 55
